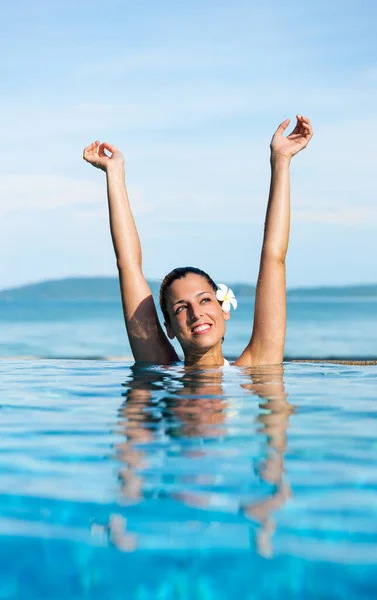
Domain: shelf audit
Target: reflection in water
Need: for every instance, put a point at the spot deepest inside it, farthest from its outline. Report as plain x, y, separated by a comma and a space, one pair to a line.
115, 533
191, 435
268, 385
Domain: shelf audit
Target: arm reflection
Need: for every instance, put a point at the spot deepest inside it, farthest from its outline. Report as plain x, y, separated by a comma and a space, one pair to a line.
267, 384
196, 409
136, 423
182, 421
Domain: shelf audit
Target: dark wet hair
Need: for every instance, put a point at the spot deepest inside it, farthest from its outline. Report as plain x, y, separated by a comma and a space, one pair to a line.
179, 273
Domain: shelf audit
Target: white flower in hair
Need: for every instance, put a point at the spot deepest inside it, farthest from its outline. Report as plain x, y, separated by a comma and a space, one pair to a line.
226, 296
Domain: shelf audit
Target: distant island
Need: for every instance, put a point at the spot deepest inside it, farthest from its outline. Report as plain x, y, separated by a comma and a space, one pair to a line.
107, 288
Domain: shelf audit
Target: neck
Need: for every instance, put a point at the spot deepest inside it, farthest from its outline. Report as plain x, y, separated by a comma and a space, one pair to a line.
210, 358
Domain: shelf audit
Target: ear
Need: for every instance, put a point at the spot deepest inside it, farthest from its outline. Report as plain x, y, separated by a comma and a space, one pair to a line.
226, 316
170, 333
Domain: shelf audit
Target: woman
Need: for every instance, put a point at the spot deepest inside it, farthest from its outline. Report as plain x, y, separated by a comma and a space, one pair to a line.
188, 297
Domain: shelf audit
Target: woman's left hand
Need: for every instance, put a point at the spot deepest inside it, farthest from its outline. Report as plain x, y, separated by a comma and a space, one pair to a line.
295, 141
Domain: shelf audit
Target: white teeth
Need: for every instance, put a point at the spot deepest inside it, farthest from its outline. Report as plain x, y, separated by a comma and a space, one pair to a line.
200, 328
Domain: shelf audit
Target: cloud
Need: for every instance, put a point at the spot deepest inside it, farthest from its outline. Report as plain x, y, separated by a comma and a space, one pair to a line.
161, 59
47, 192
176, 106
191, 95
355, 216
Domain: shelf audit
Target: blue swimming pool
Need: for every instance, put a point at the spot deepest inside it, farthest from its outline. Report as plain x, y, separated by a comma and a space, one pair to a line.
172, 484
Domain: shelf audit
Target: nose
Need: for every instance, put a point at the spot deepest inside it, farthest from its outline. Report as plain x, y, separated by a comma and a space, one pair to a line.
194, 313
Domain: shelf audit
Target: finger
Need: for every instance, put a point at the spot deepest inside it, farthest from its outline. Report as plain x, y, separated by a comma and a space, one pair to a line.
282, 127
101, 151
297, 129
110, 147
305, 122
90, 150
301, 120
86, 153
307, 129
91, 146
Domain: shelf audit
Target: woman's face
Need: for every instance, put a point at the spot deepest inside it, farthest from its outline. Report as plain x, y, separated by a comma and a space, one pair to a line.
196, 317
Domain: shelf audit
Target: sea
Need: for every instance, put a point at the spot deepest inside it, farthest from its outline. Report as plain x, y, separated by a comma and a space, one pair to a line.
319, 325
120, 482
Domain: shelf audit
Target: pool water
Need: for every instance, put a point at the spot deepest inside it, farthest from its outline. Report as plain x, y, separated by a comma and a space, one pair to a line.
166, 483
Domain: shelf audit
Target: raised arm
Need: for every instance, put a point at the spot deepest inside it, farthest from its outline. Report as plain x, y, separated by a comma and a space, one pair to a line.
266, 345
147, 339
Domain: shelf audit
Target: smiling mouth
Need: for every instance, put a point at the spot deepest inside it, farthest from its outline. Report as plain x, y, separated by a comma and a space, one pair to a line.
200, 329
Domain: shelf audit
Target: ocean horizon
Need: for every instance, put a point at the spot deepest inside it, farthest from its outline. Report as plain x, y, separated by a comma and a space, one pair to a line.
82, 318
107, 286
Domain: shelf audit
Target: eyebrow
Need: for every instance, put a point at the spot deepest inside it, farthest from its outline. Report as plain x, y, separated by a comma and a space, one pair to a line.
198, 294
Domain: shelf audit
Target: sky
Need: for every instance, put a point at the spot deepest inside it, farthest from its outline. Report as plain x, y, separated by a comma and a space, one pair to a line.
191, 93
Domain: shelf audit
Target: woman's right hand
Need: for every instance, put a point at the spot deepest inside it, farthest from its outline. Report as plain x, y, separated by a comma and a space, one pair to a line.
95, 155
296, 141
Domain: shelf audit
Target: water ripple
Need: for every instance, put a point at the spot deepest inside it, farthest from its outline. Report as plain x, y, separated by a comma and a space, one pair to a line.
265, 464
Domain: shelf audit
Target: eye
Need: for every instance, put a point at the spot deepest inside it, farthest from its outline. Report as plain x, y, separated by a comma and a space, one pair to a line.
179, 309
208, 299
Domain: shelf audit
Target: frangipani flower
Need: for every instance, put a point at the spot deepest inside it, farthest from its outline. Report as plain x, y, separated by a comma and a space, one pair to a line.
226, 296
